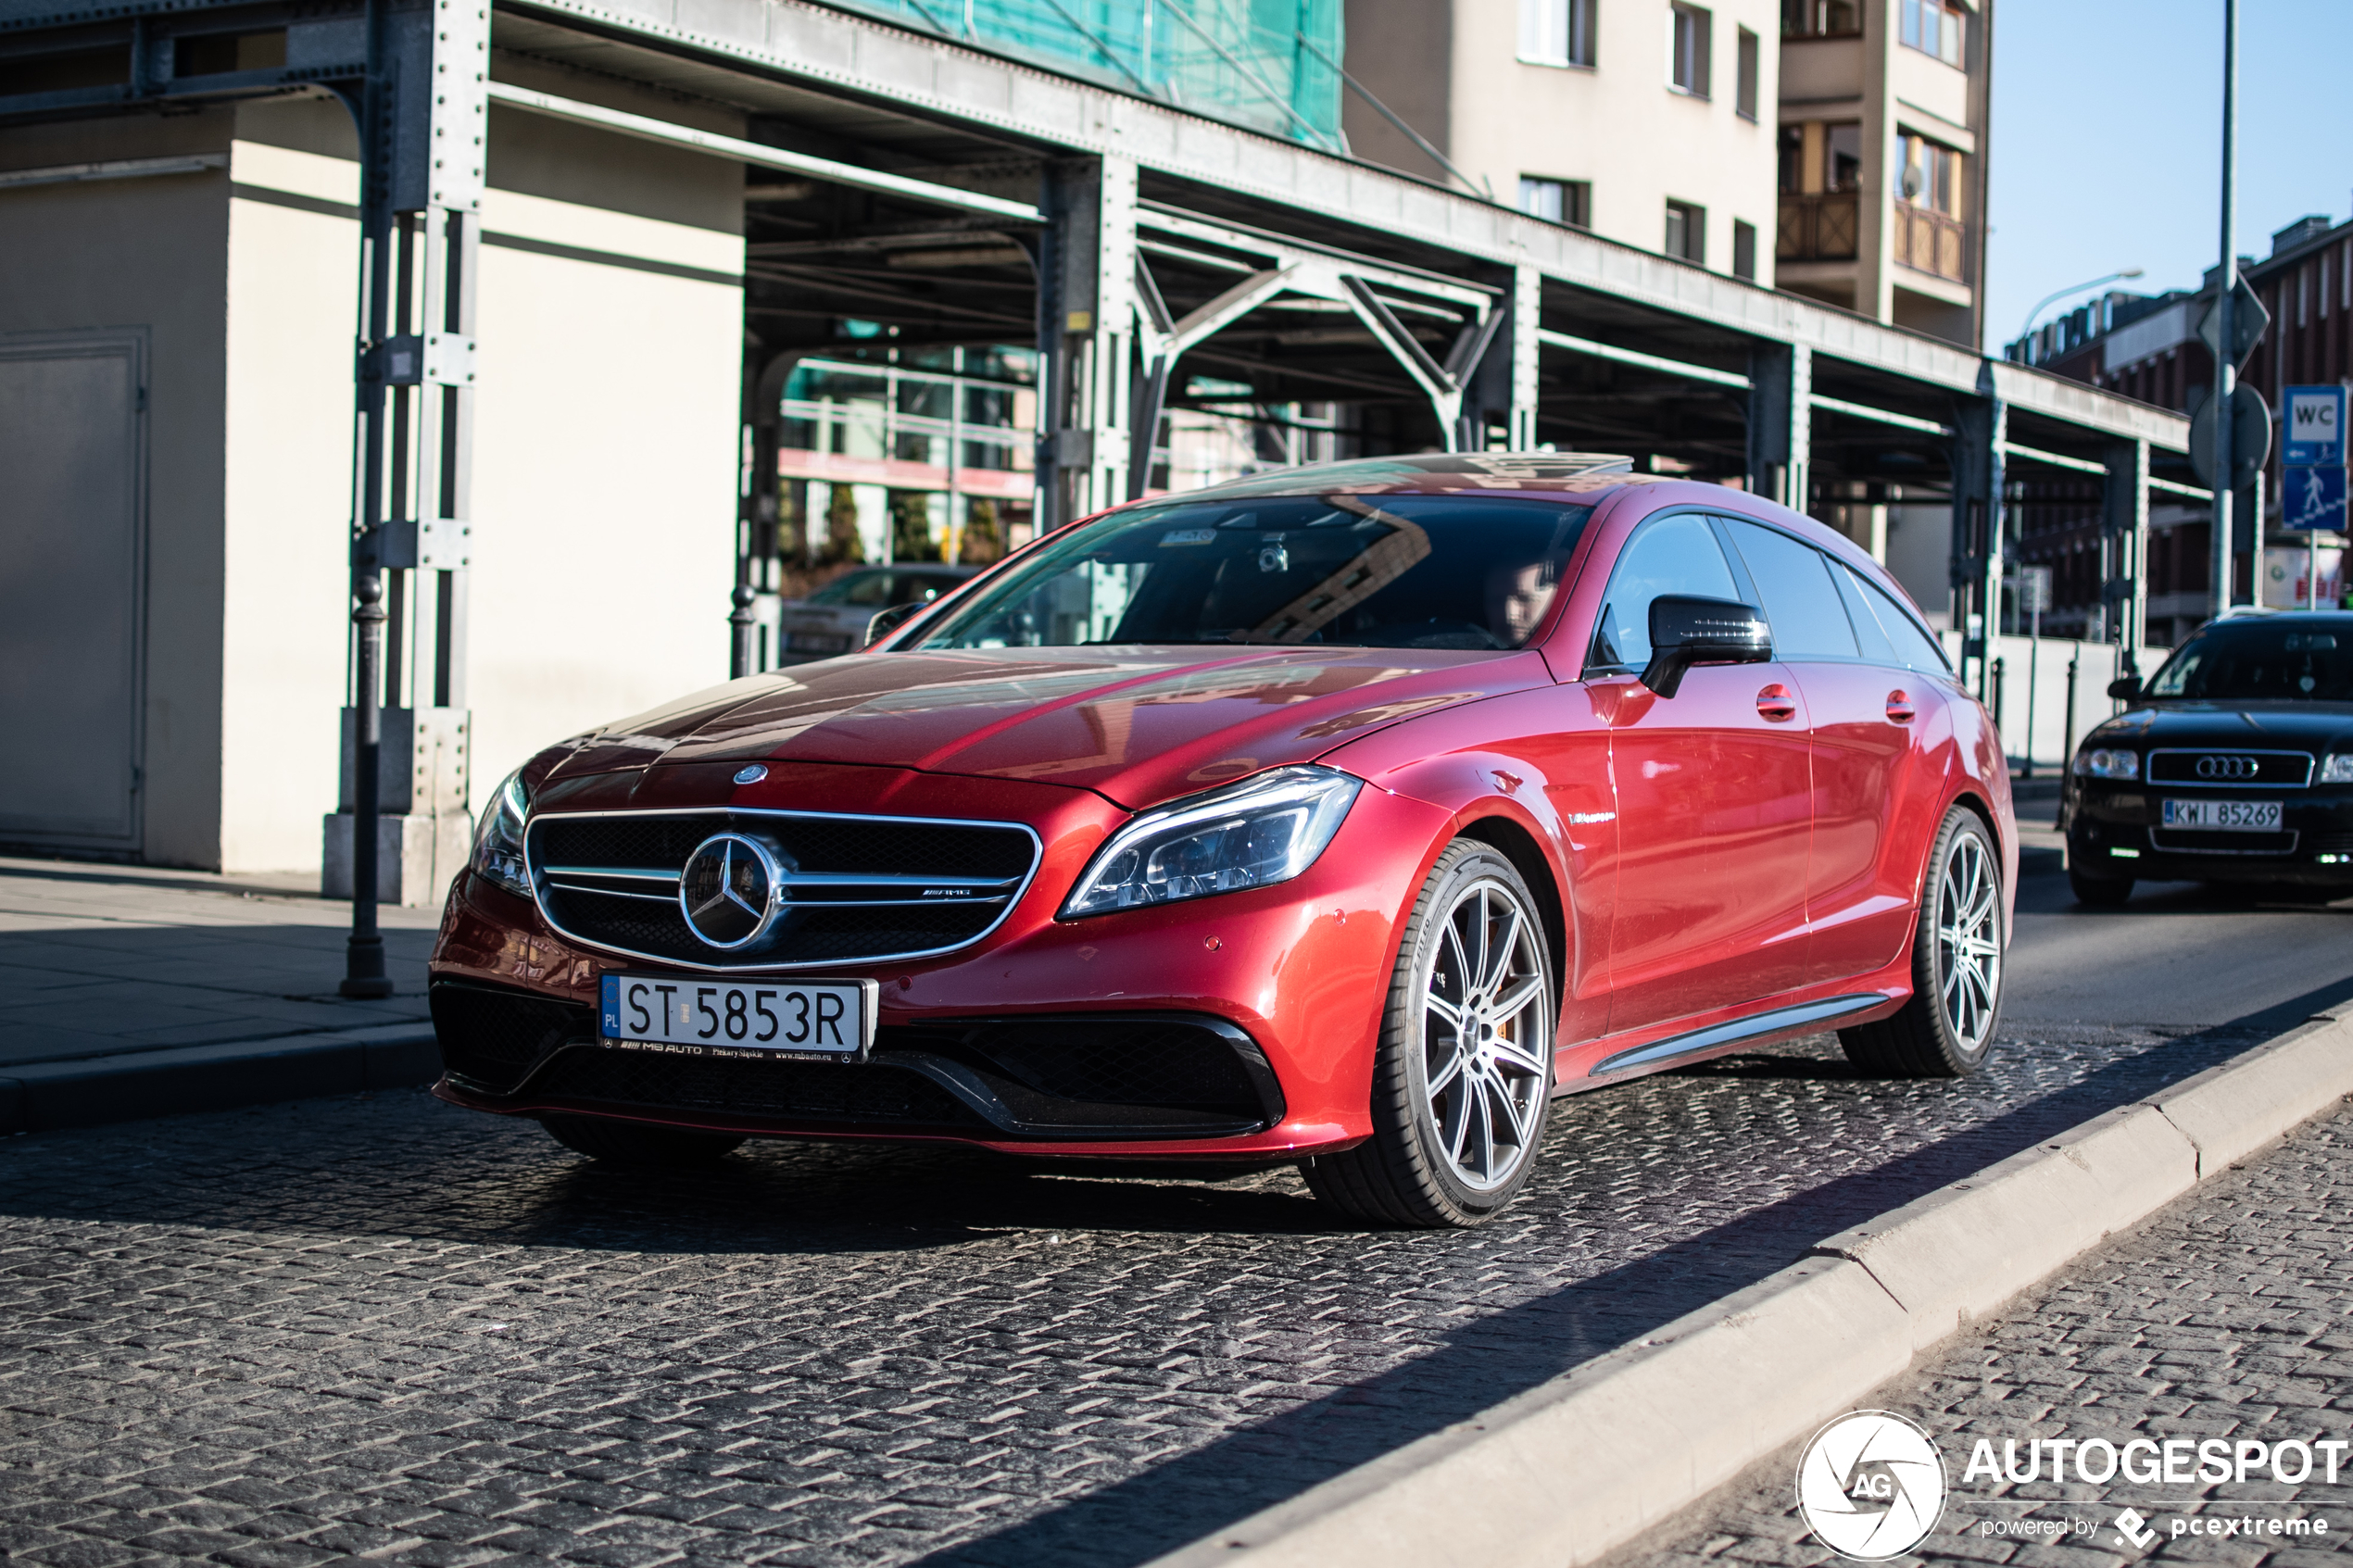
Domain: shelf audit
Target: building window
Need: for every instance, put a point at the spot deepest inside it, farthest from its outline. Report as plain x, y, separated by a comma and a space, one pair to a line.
1688, 31
1743, 250
1932, 175
1933, 27
1556, 33
1557, 201
1687, 232
1744, 92
1928, 233
1821, 19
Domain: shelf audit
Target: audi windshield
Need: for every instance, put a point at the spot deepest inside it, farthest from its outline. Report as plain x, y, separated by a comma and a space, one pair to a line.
2260, 661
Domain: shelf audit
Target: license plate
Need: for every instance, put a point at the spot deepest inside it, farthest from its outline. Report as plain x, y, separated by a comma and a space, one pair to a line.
2224, 816
682, 1013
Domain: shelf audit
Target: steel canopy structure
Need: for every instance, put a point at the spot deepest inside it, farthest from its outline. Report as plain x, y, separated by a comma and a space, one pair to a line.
956, 196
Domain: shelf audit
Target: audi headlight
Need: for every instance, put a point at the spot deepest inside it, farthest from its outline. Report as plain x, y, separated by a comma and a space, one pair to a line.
1254, 834
498, 842
2102, 763
2337, 768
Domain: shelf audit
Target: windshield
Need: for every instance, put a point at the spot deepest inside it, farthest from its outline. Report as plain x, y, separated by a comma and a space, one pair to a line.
1421, 571
2258, 661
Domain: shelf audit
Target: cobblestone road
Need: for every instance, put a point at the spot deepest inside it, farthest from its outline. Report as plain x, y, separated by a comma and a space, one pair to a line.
2226, 1316
381, 1325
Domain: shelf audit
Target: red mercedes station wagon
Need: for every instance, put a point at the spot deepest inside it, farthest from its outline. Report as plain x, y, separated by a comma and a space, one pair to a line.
1347, 815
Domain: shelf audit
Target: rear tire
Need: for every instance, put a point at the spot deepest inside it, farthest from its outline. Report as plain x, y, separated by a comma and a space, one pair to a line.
1947, 1027
1463, 1077
634, 1142
2100, 891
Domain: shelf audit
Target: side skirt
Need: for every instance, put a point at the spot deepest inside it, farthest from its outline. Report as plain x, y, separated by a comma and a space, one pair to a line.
1716, 1036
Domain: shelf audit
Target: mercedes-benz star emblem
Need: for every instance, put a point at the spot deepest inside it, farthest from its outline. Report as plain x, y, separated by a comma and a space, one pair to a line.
731, 890
753, 774
2218, 767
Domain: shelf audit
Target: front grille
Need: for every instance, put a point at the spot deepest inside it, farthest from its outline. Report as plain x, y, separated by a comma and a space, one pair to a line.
838, 1094
2218, 769
1109, 1077
859, 889
492, 1037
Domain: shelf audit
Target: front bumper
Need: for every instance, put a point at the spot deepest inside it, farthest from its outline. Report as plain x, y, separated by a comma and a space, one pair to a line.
2116, 830
1240, 1026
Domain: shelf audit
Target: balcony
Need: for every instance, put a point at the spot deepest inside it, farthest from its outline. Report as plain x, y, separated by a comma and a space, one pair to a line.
1819, 228
1927, 240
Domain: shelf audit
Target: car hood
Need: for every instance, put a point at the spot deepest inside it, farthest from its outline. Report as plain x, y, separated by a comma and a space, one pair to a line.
1137, 725
2291, 726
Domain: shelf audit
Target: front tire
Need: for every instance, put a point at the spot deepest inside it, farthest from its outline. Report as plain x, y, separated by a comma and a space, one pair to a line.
634, 1142
1946, 1028
1462, 1083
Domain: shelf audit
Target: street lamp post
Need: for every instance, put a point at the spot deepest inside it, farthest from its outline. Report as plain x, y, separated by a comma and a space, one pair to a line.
2051, 299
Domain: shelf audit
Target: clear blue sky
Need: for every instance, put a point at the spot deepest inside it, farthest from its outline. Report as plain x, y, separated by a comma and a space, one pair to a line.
2106, 139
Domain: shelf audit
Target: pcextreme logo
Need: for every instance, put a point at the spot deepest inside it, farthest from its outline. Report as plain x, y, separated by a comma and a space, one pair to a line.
1872, 1485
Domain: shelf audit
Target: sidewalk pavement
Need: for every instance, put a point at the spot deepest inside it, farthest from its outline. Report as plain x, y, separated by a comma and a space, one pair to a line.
131, 991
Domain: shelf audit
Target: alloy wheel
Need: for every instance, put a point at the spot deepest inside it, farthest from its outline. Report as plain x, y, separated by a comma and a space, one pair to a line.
1968, 941
1486, 1035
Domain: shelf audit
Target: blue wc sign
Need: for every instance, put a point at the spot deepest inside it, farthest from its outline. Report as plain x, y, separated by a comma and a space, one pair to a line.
2313, 427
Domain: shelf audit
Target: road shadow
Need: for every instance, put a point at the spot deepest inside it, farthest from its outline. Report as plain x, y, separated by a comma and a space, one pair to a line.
1492, 1357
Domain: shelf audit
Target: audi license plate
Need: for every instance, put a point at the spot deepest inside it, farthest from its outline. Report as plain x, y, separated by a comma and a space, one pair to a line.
2223, 816
694, 1017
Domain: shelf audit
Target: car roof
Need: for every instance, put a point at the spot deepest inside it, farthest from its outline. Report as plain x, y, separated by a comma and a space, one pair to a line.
1436, 473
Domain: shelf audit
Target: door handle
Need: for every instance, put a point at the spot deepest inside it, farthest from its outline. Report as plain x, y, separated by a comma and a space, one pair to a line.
1899, 708
1775, 703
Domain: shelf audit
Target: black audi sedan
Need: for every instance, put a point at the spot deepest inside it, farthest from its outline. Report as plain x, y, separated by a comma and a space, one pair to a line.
2233, 763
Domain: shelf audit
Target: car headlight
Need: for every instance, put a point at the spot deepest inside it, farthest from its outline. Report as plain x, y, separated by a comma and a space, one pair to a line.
2337, 768
2102, 763
1254, 834
498, 842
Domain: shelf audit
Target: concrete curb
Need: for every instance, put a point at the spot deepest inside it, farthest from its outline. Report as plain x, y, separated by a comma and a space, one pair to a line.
46, 1096
1580, 1465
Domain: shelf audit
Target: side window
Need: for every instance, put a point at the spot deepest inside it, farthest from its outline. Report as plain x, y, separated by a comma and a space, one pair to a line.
1913, 647
1677, 554
1875, 645
1801, 601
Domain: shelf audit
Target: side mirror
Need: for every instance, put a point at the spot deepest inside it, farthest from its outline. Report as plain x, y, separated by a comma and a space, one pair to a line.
2124, 688
889, 620
1685, 631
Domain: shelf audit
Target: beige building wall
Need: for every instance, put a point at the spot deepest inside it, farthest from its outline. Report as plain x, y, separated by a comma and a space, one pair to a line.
1452, 70
148, 254
606, 419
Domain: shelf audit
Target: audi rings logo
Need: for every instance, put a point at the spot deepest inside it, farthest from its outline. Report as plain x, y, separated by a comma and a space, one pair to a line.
1871, 1484
2222, 769
731, 891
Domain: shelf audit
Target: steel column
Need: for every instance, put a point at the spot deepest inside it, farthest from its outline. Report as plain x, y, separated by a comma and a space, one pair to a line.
1781, 424
1087, 337
2124, 501
1527, 347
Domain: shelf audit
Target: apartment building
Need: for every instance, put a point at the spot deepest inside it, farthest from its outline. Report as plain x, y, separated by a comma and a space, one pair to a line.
1650, 122
1882, 157
1835, 148
2146, 347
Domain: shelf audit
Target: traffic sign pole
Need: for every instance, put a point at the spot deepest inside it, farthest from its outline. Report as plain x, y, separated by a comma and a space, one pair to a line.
2226, 288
